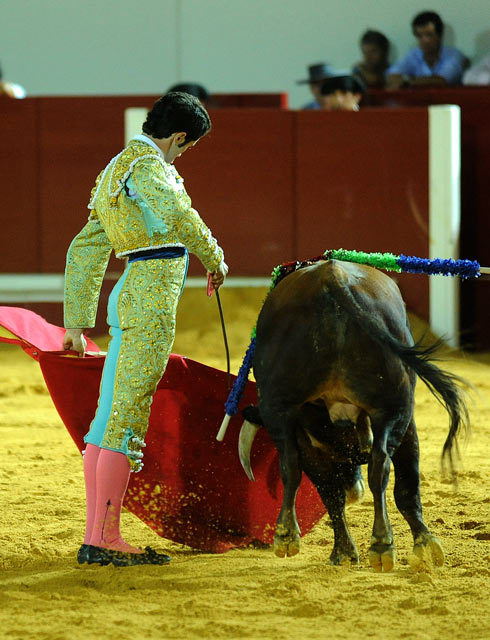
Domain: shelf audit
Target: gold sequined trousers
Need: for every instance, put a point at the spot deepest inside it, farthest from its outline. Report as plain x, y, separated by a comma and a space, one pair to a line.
141, 315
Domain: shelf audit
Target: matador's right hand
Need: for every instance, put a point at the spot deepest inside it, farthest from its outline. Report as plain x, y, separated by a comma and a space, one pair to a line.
218, 276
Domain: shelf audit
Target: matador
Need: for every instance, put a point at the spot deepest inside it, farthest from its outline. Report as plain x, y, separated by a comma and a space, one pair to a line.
139, 208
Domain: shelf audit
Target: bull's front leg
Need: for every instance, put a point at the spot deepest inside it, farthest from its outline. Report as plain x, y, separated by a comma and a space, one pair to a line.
287, 535
382, 550
330, 480
344, 550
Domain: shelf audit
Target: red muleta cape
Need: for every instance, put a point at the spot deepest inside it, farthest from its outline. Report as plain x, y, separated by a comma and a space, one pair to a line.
192, 489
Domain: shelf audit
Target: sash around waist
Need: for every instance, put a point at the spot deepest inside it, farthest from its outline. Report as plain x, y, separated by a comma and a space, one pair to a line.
162, 253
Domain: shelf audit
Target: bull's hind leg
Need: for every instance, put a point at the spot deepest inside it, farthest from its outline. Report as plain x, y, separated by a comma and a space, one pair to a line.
382, 550
427, 549
287, 535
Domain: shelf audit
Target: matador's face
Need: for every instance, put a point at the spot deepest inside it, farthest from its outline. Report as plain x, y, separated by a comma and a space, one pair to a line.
178, 146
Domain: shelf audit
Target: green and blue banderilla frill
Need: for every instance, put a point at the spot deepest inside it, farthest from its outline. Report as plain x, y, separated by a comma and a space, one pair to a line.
387, 261
410, 264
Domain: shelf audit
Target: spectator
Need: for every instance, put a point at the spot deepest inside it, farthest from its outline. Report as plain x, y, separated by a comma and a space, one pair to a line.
317, 74
196, 90
341, 93
431, 63
11, 89
375, 48
478, 73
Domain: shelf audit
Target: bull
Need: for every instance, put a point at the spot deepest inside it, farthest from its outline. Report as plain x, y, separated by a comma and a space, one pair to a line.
336, 366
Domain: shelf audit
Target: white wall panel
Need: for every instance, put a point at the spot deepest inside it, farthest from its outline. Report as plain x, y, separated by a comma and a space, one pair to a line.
62, 47
73, 47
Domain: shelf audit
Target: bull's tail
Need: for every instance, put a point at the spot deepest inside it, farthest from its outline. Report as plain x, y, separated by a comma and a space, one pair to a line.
446, 387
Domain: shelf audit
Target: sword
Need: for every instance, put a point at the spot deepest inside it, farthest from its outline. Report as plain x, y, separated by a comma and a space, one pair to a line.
209, 291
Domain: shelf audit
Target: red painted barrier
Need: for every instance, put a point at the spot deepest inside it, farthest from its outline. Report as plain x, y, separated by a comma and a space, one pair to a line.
19, 155
273, 185
475, 189
362, 184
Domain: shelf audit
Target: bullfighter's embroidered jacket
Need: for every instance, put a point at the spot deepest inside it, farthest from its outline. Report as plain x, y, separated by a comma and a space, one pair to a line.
138, 202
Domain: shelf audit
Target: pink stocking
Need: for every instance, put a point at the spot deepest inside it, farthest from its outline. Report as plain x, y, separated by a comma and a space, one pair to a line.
112, 480
89, 469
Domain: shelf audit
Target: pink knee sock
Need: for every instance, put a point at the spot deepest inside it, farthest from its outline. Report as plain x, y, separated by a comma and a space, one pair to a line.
112, 478
90, 469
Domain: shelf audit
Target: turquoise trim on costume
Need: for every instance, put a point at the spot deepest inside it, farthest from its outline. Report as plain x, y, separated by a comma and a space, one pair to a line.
99, 423
153, 223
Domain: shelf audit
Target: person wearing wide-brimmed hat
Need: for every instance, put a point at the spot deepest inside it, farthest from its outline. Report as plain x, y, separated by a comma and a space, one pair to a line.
316, 75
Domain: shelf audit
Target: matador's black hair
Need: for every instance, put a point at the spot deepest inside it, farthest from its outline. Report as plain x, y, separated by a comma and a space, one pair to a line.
175, 112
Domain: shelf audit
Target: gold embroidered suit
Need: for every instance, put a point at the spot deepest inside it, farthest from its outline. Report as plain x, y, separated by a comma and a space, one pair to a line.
138, 203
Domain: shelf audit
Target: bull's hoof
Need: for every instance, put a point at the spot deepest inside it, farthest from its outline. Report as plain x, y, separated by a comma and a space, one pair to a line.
427, 553
346, 558
382, 557
286, 543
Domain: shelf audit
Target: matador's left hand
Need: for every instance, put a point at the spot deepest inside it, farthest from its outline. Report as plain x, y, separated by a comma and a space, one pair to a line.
75, 340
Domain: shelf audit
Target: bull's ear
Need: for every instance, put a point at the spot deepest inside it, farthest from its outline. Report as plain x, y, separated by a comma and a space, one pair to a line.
251, 414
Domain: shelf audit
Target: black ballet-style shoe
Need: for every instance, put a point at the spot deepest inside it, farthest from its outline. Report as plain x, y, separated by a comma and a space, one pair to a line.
82, 555
149, 556
94, 555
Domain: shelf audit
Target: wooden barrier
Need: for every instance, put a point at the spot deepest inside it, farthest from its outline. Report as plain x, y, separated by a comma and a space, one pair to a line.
475, 189
273, 185
240, 178
248, 100
362, 184
19, 162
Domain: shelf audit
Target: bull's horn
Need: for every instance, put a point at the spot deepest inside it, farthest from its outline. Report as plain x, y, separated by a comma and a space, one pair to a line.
248, 432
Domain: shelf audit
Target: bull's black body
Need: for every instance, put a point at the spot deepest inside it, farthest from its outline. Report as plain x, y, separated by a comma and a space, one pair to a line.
336, 367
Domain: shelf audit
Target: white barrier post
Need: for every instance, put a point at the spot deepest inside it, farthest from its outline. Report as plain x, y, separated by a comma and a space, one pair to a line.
444, 216
133, 121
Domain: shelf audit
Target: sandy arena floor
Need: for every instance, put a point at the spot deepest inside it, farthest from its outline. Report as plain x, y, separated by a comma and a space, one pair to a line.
45, 595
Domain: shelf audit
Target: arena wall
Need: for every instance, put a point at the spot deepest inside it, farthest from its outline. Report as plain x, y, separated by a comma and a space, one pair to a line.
274, 185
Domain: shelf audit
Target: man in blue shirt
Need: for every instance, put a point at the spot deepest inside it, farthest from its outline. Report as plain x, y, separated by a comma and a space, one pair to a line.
431, 63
